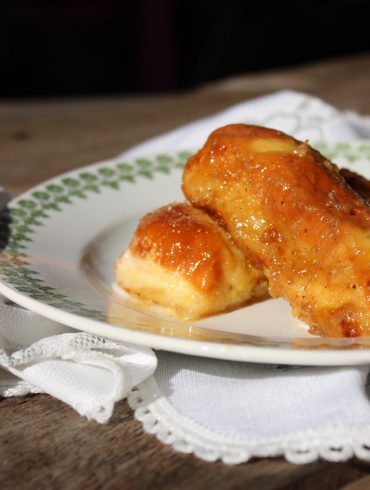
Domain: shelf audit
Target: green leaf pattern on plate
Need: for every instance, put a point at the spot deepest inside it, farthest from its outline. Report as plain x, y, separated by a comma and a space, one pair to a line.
28, 214
344, 151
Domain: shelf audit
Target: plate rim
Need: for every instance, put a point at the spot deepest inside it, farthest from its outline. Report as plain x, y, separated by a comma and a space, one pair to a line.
242, 352
238, 352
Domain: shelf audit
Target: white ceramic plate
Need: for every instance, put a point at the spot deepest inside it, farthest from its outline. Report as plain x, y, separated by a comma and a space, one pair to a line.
66, 234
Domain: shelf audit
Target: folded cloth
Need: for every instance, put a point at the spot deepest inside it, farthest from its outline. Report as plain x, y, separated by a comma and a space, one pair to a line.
296, 113
215, 409
233, 411
88, 372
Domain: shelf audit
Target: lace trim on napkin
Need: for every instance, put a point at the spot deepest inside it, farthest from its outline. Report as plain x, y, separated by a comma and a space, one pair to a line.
161, 418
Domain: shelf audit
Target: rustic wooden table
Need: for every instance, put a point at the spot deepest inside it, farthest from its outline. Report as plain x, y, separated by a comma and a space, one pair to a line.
44, 443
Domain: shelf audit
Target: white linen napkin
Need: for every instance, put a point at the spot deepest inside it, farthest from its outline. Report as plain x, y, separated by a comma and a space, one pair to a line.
296, 113
215, 409
234, 411
88, 372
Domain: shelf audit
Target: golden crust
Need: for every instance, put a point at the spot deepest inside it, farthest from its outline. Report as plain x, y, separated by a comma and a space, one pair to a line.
182, 259
293, 215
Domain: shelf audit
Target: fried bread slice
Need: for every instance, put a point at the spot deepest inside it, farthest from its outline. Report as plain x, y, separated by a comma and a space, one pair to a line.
183, 260
296, 219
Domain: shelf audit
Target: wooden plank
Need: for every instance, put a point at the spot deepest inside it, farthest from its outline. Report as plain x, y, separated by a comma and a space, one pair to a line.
41, 139
361, 484
44, 443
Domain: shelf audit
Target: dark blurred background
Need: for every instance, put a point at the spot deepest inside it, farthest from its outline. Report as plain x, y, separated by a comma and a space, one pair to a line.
57, 48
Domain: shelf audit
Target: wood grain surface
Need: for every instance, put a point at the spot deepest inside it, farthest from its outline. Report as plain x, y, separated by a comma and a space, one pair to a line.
44, 444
